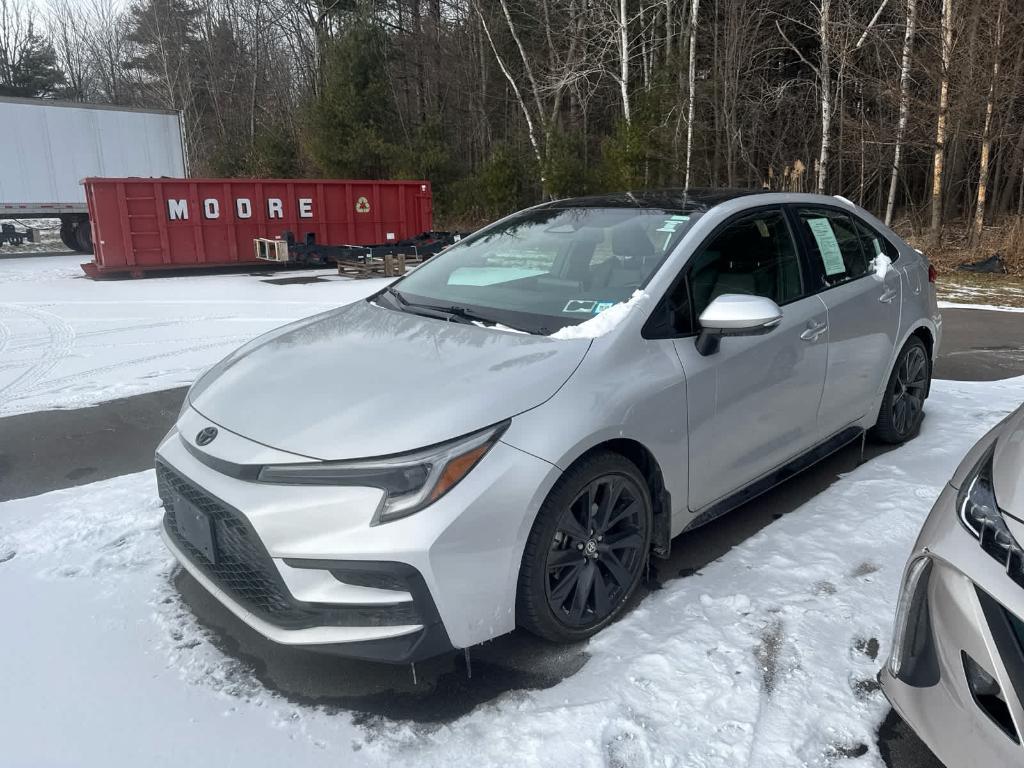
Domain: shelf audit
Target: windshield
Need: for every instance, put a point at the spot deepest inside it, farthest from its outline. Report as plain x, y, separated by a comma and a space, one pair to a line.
541, 270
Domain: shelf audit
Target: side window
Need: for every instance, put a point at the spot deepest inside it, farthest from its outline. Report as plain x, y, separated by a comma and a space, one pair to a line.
672, 317
874, 243
753, 255
834, 244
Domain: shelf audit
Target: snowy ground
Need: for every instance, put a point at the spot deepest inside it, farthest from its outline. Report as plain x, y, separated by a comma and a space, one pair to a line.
49, 238
67, 341
1001, 291
764, 659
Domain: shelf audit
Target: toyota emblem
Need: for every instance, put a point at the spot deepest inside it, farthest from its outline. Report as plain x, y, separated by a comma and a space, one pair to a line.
206, 435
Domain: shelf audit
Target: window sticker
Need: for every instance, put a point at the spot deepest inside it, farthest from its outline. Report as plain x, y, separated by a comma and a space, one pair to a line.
679, 218
762, 228
669, 226
578, 305
828, 246
601, 306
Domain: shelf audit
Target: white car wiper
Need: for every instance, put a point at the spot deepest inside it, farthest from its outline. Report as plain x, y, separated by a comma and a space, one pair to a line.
426, 310
453, 312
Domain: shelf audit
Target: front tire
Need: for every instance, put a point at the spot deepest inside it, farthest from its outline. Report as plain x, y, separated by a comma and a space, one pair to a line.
902, 411
587, 550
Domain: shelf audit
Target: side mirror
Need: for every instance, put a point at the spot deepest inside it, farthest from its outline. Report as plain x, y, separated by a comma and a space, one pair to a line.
733, 314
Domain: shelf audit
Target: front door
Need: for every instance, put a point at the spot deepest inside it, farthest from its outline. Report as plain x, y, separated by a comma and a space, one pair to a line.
753, 404
863, 312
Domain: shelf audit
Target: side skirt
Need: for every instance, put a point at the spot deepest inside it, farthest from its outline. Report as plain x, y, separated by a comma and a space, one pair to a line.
776, 477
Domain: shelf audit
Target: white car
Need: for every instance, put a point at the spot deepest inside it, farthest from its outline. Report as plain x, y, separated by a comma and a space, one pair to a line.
504, 436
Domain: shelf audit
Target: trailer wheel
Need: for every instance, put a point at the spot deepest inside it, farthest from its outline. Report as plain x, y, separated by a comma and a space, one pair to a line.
67, 234
83, 237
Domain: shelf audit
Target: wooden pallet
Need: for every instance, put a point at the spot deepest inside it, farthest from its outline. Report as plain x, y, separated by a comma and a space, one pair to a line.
389, 265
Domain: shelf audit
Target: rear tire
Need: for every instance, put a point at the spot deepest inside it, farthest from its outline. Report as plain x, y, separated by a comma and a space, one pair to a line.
67, 234
587, 550
83, 236
902, 411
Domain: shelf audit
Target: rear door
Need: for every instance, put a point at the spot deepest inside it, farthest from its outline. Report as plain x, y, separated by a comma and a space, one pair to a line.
753, 404
863, 310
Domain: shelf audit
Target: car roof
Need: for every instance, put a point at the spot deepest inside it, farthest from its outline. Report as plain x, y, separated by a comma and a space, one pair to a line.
684, 200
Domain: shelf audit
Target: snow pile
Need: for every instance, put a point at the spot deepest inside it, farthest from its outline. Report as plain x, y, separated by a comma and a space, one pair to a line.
604, 322
67, 341
987, 307
765, 658
881, 265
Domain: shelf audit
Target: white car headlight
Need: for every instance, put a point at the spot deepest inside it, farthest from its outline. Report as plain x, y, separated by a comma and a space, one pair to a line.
979, 512
410, 481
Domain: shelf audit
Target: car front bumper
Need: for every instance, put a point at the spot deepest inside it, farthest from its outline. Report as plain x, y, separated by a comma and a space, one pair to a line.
967, 606
302, 565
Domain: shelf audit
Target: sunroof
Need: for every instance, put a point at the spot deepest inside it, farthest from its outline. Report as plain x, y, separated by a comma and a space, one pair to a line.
663, 199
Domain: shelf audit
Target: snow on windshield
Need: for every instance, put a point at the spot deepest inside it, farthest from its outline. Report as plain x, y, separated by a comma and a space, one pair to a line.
603, 323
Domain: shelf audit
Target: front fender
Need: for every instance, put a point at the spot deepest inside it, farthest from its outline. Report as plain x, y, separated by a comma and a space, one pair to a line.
634, 391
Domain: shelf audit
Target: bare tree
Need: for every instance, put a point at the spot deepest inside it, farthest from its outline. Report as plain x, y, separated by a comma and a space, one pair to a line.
940, 123
986, 134
901, 126
691, 86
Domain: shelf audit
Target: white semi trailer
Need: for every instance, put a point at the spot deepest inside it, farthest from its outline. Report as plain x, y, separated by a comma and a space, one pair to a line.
47, 147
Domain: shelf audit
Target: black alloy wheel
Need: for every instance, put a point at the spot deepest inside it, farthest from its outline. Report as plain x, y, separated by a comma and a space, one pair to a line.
903, 404
588, 550
596, 552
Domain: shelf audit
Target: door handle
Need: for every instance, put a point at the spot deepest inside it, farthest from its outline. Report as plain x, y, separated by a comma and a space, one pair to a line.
888, 295
814, 330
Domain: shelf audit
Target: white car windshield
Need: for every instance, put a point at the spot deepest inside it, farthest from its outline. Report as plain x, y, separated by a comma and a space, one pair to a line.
546, 268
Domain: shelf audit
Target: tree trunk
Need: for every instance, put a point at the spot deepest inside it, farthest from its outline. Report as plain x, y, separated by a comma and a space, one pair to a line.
825, 76
940, 126
692, 77
986, 136
901, 128
623, 24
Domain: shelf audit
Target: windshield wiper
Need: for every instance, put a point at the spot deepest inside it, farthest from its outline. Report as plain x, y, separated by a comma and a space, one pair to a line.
474, 316
452, 312
393, 292
427, 310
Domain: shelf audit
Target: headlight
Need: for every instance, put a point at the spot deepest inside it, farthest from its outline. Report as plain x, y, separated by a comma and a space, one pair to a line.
979, 512
410, 481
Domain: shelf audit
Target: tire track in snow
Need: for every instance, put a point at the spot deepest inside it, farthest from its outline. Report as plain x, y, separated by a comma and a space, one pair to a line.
55, 385
5, 335
127, 329
62, 339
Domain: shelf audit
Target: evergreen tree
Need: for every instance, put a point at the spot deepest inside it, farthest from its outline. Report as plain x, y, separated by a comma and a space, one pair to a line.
30, 69
164, 35
354, 127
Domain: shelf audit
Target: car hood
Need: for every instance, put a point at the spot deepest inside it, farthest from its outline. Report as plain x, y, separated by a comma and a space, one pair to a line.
1008, 466
364, 381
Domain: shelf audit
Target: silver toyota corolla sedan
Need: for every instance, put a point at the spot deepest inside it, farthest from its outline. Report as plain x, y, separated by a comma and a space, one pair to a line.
505, 436
956, 672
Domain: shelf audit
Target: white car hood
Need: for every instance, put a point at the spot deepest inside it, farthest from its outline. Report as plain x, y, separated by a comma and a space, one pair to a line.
365, 381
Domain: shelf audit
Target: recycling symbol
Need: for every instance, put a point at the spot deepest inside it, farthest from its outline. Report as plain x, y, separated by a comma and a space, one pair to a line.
362, 205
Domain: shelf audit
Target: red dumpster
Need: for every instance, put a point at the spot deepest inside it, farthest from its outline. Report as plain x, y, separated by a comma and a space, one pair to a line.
140, 225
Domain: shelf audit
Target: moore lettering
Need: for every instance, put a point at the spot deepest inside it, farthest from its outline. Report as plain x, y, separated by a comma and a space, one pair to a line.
177, 209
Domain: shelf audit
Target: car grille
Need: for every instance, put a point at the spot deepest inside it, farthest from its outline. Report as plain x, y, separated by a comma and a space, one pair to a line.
245, 571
